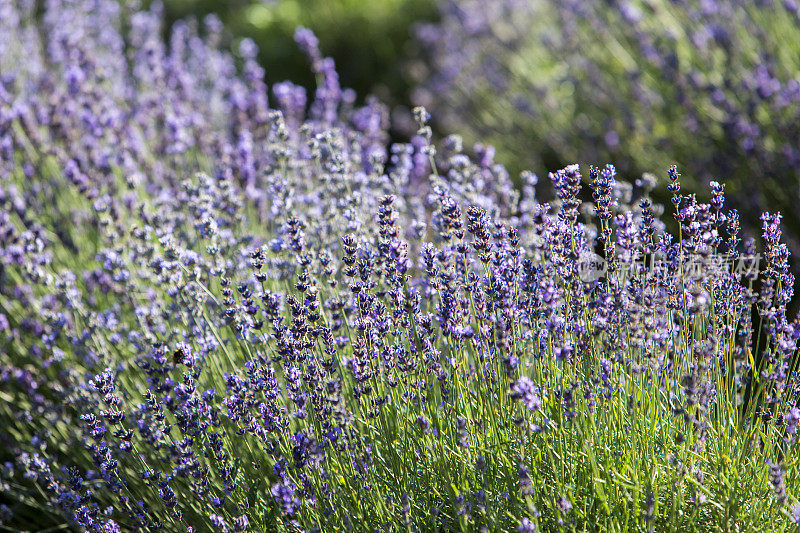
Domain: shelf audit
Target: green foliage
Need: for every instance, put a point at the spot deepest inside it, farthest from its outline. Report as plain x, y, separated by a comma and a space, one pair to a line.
365, 38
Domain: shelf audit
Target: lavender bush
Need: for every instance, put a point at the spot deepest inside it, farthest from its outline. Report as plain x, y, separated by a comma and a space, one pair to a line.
712, 86
220, 312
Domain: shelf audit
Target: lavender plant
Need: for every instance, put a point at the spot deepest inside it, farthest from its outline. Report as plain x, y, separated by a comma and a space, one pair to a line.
220, 312
712, 86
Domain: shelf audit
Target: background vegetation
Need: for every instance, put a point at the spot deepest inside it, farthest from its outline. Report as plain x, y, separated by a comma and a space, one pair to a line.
367, 39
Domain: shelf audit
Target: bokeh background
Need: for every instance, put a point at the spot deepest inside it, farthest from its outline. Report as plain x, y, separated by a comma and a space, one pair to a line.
369, 40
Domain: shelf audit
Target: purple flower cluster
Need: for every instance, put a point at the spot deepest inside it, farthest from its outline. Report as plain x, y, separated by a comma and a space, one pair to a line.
221, 312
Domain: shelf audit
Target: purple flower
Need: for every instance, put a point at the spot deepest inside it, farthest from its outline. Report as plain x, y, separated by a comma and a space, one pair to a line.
564, 504
526, 526
306, 40
219, 523
530, 395
795, 514
792, 418
284, 494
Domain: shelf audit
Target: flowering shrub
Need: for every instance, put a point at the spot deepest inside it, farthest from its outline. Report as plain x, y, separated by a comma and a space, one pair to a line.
712, 86
219, 313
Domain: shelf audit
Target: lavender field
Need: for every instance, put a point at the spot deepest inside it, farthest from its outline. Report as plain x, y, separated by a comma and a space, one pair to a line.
232, 305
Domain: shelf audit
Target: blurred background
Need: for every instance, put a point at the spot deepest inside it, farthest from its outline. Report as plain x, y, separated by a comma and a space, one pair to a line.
713, 87
368, 39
